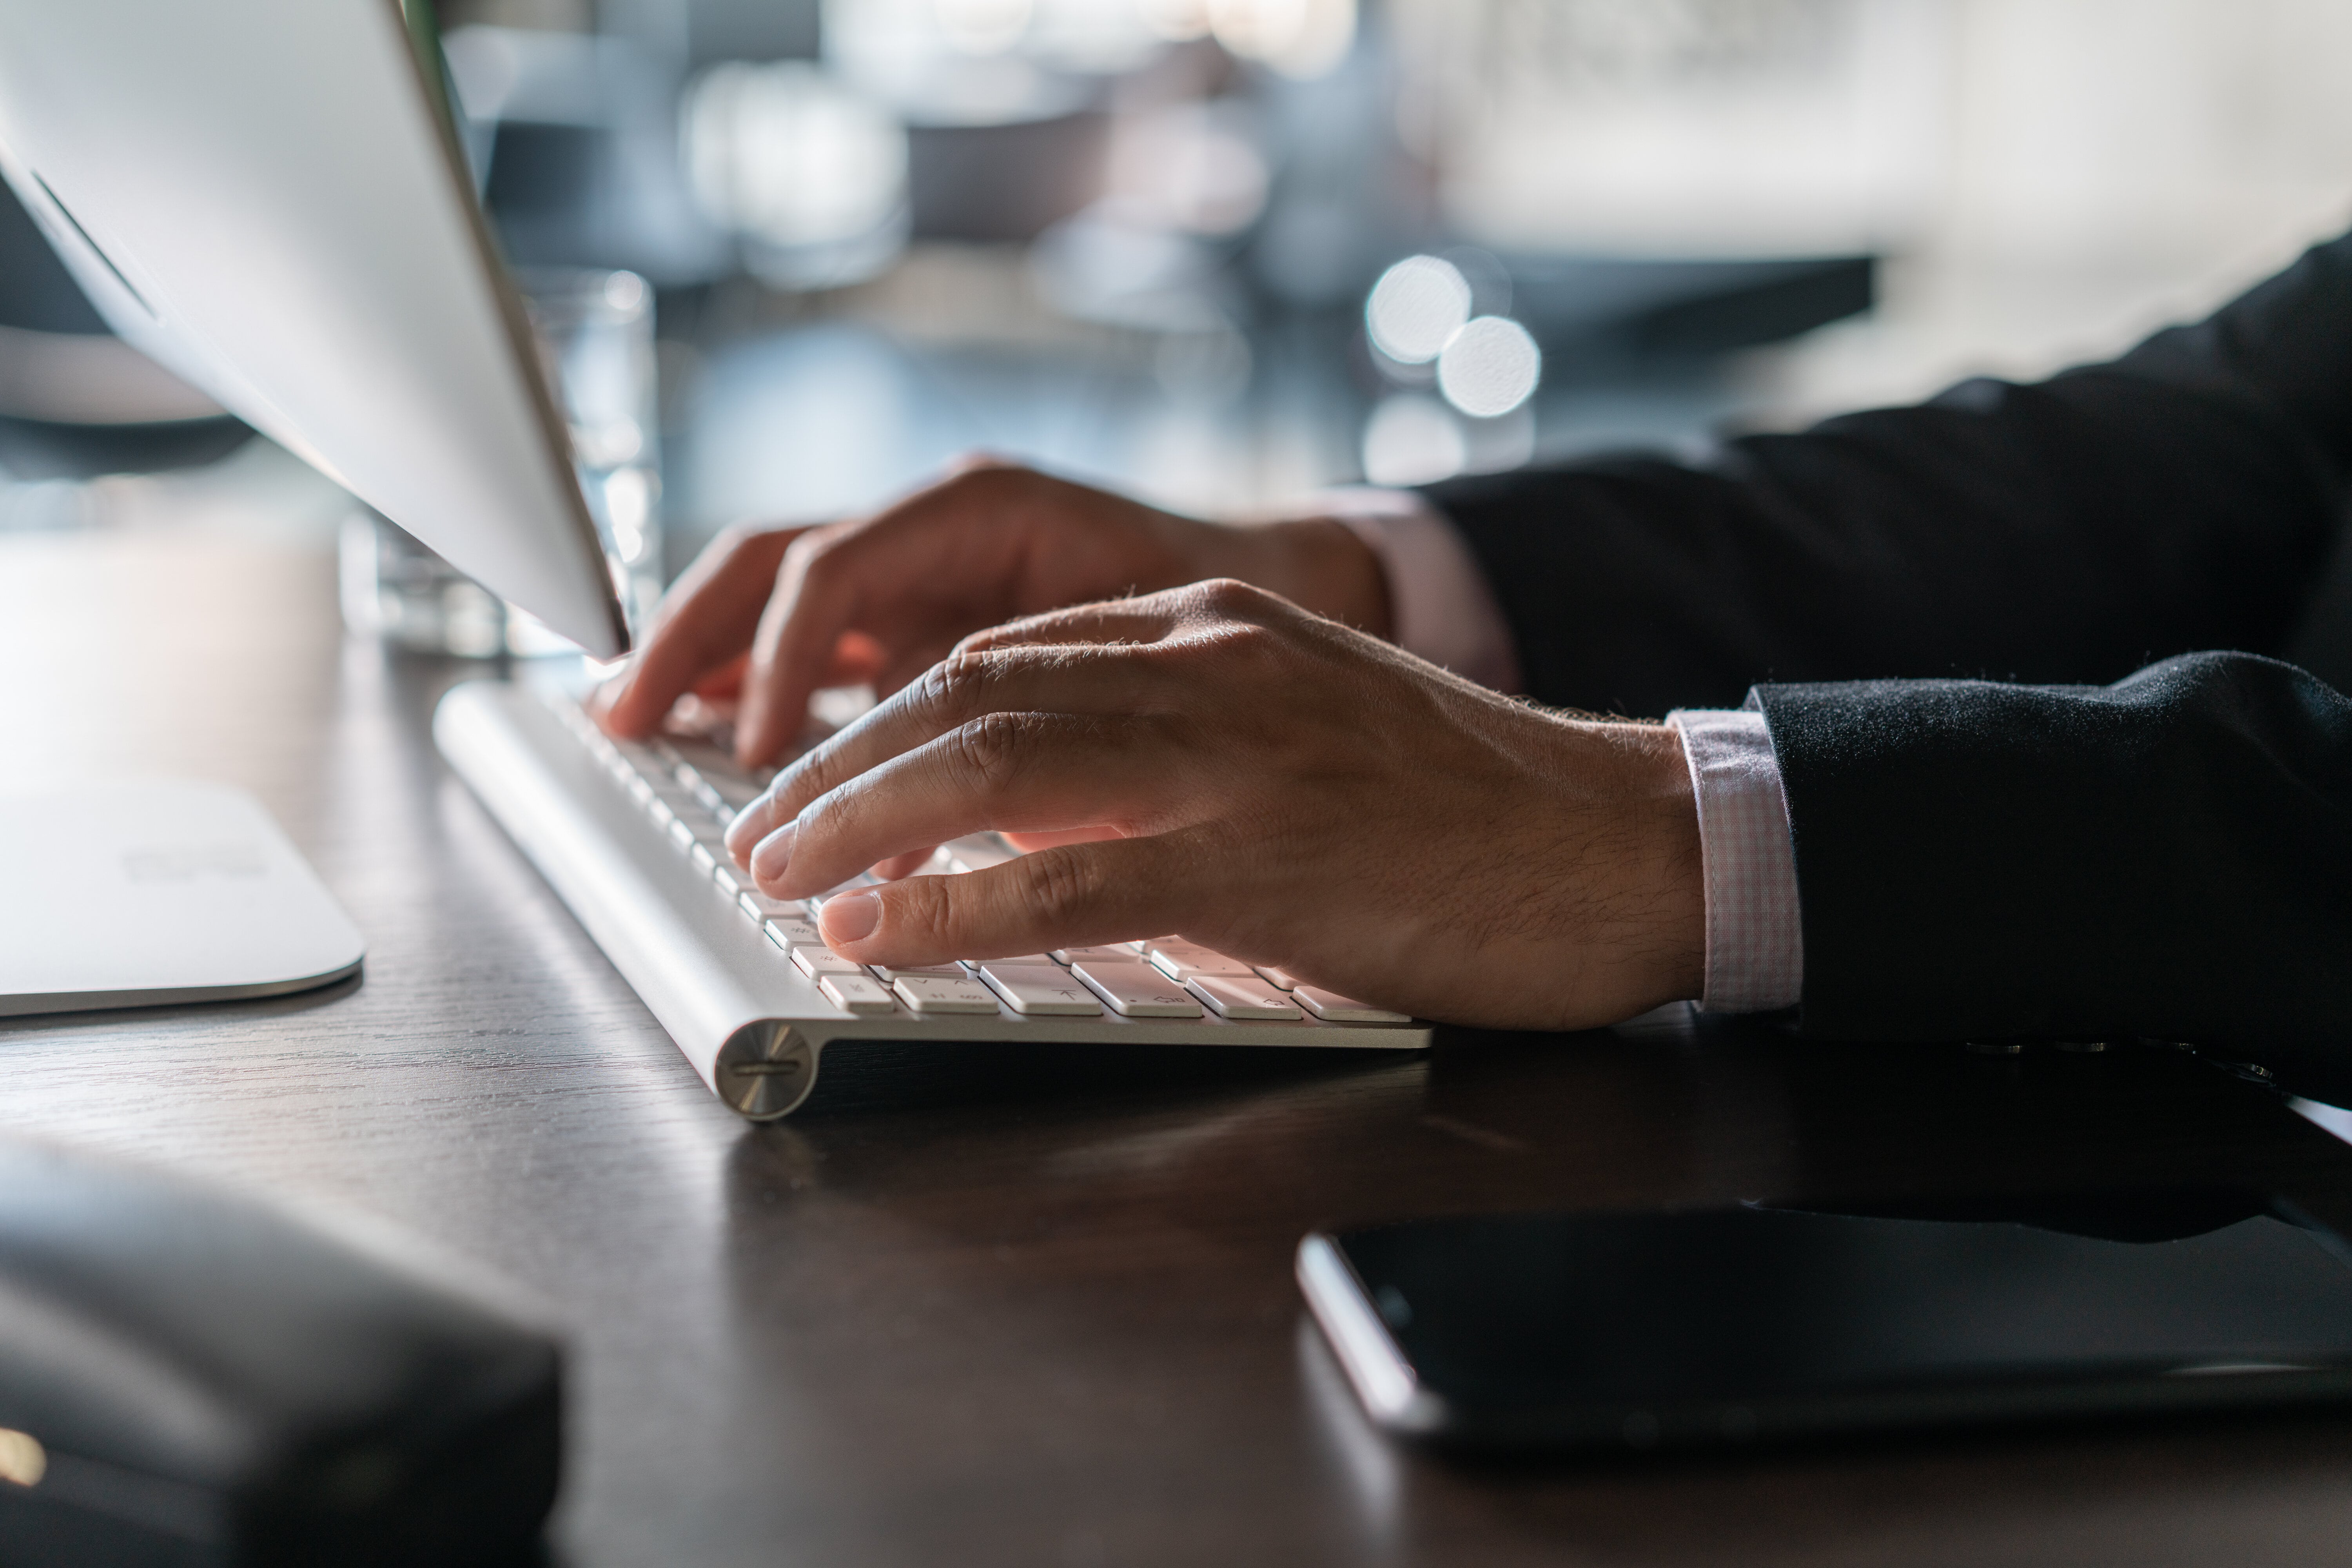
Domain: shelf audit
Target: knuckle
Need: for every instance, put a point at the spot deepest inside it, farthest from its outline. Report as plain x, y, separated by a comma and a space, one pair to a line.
958, 684
993, 750
1057, 888
922, 911
1229, 596
816, 556
983, 476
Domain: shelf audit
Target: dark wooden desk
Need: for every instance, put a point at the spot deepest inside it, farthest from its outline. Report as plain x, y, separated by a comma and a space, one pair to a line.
1046, 1318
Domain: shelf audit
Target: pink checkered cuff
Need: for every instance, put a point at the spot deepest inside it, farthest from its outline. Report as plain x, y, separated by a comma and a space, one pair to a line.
1755, 941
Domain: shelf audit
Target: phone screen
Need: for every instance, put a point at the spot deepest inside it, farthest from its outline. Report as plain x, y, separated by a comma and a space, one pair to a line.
1729, 1325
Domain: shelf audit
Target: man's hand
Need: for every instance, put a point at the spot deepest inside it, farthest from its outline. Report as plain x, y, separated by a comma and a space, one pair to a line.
769, 616
1279, 787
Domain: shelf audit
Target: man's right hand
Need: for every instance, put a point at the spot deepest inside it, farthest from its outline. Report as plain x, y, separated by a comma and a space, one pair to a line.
769, 615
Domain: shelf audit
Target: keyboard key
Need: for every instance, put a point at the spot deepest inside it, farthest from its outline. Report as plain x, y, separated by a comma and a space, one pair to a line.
738, 792
1118, 953
1134, 989
927, 971
1033, 959
760, 907
1240, 997
978, 853
858, 993
1185, 959
1040, 990
815, 961
1333, 1008
681, 832
788, 933
679, 798
700, 759
1282, 977
934, 994
736, 880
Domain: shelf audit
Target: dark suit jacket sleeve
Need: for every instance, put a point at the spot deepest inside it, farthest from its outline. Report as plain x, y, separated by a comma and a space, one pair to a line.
2183, 497
2168, 856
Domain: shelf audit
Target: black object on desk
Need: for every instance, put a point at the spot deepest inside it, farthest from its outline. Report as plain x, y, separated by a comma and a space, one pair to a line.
191, 1377
1610, 1330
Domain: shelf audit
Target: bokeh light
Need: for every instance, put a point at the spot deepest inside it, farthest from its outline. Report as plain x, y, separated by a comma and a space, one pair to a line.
1490, 367
1417, 308
798, 162
1413, 439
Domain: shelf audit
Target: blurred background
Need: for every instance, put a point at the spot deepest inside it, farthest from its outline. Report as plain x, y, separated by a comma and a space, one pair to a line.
1225, 252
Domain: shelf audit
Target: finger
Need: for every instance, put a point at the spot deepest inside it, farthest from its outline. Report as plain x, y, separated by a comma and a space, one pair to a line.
956, 691
1046, 839
706, 618
815, 597
725, 680
1034, 772
1144, 617
905, 865
1139, 620
858, 659
1076, 896
901, 672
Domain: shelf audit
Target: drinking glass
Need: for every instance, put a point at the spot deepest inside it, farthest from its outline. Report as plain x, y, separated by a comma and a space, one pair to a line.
596, 334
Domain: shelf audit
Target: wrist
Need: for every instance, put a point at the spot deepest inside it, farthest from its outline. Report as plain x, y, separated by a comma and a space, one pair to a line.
1665, 877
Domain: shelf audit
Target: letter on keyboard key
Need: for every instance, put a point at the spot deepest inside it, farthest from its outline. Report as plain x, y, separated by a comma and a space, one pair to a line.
1185, 959
760, 907
929, 995
1134, 989
1040, 990
1239, 998
789, 933
857, 993
933, 970
1333, 1008
1119, 954
817, 962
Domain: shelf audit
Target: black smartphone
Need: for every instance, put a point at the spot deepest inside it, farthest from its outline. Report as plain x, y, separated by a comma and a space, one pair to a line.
1754, 1323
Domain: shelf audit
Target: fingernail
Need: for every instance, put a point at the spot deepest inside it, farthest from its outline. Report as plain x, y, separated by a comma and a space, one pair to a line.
851, 917
750, 825
775, 853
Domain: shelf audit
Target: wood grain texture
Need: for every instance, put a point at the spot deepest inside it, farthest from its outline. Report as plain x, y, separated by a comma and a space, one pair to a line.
1035, 1309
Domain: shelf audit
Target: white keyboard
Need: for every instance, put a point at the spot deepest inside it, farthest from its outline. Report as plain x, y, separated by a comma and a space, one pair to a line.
630, 837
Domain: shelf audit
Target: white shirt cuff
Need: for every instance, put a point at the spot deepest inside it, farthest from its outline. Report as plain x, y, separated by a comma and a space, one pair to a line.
1439, 604
1755, 939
